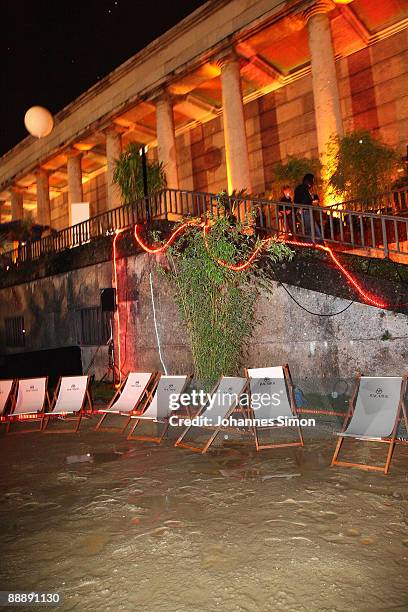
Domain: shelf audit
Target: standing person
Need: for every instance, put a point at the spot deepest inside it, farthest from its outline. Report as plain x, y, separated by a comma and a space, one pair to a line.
286, 195
285, 213
304, 195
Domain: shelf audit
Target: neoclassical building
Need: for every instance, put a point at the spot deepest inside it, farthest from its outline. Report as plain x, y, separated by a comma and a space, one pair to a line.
220, 98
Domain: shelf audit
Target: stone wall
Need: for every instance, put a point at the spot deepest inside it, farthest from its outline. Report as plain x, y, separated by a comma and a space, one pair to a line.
201, 157
59, 211
51, 308
378, 89
321, 351
94, 192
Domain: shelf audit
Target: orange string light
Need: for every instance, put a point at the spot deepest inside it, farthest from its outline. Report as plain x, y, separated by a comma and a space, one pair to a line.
165, 246
243, 265
364, 294
115, 276
239, 267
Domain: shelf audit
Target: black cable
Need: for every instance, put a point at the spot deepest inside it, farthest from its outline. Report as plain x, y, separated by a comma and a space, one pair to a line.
316, 314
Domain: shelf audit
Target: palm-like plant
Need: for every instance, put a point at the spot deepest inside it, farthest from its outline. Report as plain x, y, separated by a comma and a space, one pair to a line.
128, 174
364, 166
292, 171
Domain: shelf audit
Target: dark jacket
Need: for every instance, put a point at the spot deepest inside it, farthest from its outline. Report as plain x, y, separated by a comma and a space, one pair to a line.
286, 199
302, 195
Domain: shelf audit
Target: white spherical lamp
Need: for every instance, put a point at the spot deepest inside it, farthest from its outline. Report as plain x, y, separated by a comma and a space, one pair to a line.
38, 121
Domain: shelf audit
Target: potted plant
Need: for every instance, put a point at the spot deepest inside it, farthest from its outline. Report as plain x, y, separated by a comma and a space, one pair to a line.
128, 174
363, 166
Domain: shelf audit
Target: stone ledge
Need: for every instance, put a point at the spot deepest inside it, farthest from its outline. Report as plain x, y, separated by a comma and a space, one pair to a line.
309, 269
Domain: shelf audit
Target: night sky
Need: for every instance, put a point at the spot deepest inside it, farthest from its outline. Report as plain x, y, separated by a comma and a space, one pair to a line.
52, 51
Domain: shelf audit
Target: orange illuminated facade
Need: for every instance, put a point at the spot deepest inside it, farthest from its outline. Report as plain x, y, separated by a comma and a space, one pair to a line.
221, 98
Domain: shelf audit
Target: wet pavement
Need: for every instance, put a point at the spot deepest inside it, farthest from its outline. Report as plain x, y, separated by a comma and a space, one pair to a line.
135, 526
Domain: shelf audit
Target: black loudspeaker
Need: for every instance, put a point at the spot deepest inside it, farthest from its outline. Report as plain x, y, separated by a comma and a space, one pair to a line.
108, 299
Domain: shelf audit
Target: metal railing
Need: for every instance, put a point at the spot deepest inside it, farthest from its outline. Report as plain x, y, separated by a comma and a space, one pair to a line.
390, 202
343, 229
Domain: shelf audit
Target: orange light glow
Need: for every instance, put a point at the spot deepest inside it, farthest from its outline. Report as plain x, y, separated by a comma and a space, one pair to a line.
364, 294
162, 248
27, 417
243, 265
367, 297
115, 275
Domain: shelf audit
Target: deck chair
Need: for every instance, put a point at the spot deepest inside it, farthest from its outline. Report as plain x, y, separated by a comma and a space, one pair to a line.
376, 408
227, 393
135, 393
271, 381
7, 398
68, 403
158, 411
32, 400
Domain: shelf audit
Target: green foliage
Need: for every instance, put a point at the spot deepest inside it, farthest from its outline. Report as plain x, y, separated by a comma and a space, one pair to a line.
364, 166
129, 176
228, 205
293, 170
26, 226
216, 304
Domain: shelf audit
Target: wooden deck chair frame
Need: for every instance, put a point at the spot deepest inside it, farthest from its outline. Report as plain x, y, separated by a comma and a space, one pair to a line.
32, 416
401, 414
291, 396
166, 423
9, 402
76, 417
144, 401
234, 408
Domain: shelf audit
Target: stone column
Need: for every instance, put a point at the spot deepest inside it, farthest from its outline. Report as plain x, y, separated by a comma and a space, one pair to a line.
166, 139
43, 198
113, 151
236, 147
17, 204
75, 193
325, 89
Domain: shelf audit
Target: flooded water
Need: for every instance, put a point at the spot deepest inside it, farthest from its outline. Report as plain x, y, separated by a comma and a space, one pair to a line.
134, 526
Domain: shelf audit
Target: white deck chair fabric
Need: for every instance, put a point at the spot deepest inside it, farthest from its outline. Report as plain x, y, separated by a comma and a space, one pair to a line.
71, 394
5, 389
223, 400
270, 381
376, 407
159, 408
131, 393
227, 393
30, 396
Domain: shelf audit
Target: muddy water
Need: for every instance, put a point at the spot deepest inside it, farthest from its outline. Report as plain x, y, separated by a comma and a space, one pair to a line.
157, 528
